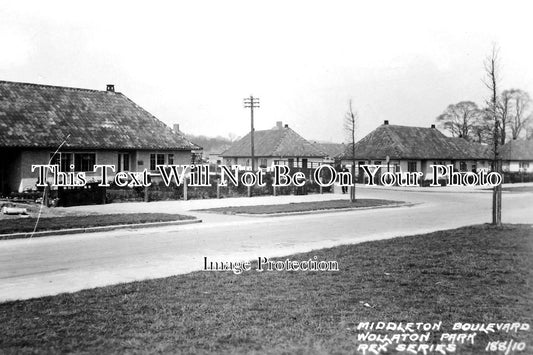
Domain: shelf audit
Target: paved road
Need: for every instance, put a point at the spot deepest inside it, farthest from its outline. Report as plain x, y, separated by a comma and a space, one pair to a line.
51, 265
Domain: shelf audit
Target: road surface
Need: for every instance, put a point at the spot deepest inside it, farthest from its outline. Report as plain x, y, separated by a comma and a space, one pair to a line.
51, 265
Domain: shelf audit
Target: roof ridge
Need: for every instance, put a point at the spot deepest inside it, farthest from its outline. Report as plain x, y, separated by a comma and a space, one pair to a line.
400, 125
283, 135
19, 83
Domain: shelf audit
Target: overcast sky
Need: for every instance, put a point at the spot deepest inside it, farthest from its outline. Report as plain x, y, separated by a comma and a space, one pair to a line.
193, 62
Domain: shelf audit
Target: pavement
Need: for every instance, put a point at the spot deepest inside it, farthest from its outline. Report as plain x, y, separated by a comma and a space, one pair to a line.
67, 263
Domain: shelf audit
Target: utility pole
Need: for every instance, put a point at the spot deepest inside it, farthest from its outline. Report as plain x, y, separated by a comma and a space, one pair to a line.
251, 103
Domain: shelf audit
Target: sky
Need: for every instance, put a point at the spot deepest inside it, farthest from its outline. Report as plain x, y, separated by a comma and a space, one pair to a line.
193, 62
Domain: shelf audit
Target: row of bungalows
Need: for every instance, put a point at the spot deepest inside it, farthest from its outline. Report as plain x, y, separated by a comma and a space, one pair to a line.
414, 149
394, 147
76, 129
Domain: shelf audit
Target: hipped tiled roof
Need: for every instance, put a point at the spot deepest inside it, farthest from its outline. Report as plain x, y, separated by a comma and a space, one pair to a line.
517, 150
42, 116
404, 142
276, 142
332, 150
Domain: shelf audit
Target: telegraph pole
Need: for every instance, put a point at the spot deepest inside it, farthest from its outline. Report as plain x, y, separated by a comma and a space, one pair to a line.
251, 103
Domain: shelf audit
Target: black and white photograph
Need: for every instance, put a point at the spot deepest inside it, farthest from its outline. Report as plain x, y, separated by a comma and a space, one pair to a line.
266, 177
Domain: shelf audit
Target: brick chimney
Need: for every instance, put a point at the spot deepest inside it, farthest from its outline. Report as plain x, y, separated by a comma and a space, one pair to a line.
110, 88
386, 122
176, 127
279, 125
432, 126
286, 126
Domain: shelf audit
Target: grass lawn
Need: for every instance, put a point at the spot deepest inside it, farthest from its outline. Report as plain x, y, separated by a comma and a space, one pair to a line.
301, 206
26, 225
472, 274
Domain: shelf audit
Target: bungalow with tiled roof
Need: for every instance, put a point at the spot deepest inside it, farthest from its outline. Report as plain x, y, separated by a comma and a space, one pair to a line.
280, 145
89, 126
517, 156
410, 149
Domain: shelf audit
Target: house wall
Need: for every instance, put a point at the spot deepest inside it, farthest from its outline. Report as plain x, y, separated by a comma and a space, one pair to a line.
515, 166
246, 161
21, 178
143, 156
26, 179
423, 166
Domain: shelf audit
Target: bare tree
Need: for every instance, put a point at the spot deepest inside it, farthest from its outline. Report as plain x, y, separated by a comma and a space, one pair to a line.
520, 115
491, 81
350, 120
504, 108
482, 129
460, 119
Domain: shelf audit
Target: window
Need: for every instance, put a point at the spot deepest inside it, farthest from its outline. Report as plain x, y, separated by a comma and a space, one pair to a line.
69, 161
152, 161
84, 161
170, 159
523, 165
304, 163
123, 162
64, 160
160, 159
263, 163
411, 166
155, 160
291, 162
462, 166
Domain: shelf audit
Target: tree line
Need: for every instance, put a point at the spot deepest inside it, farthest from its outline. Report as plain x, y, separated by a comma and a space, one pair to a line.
514, 110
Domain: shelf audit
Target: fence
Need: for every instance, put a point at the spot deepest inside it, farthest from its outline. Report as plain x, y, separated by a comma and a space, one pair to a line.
158, 191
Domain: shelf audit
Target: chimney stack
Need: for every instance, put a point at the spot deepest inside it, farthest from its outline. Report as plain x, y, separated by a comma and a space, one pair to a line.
110, 88
176, 128
432, 126
286, 126
279, 125
386, 122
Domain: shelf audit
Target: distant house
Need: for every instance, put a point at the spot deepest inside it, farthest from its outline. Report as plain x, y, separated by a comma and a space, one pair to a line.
280, 145
410, 149
215, 158
89, 126
333, 151
517, 156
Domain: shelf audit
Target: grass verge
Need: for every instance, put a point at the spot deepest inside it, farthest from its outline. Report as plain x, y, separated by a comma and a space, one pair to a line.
518, 189
301, 206
515, 189
475, 274
26, 225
